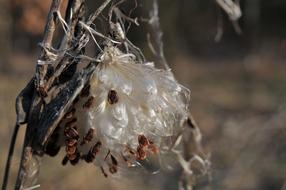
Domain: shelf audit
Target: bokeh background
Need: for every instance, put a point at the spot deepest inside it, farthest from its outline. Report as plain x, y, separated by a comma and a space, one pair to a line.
238, 89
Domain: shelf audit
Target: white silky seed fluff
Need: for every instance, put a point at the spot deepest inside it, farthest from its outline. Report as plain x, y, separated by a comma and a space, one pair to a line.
150, 103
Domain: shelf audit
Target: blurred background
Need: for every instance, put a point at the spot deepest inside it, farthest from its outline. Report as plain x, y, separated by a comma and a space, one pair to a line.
238, 86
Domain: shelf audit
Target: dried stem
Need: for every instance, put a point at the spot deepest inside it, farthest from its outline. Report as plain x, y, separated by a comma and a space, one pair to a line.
10, 156
97, 12
46, 57
231, 8
156, 35
46, 45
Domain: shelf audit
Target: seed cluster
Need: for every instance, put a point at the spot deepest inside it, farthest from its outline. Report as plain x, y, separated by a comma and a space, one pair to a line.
88, 137
73, 139
72, 136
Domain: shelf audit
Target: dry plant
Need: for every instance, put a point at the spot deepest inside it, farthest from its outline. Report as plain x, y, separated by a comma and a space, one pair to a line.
114, 109
232, 9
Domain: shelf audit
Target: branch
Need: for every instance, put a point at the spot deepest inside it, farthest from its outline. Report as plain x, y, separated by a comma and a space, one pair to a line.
44, 57
97, 12
231, 8
156, 35
10, 156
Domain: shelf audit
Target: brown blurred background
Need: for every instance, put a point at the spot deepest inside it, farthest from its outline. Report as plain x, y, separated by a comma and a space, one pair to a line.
238, 91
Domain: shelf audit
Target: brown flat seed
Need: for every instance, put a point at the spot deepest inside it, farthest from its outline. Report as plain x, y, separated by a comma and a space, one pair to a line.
88, 137
71, 142
70, 149
143, 141
88, 103
96, 148
112, 97
71, 133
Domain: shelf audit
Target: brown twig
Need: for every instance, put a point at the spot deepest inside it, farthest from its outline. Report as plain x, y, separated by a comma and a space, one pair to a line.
37, 102
75, 10
42, 65
97, 12
156, 35
10, 156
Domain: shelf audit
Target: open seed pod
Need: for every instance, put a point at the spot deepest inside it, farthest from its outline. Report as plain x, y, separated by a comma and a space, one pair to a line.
118, 112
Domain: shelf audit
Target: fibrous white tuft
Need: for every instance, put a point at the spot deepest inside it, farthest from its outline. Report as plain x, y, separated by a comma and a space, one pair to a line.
136, 109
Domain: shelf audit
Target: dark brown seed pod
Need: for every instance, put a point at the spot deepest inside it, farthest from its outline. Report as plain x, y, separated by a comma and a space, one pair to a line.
88, 137
85, 91
112, 97
89, 102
